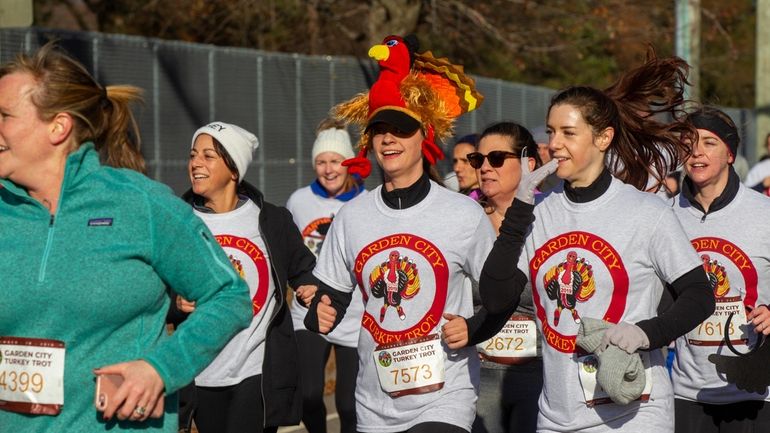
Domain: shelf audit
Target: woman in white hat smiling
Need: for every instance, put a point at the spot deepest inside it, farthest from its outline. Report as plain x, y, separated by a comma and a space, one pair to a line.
253, 384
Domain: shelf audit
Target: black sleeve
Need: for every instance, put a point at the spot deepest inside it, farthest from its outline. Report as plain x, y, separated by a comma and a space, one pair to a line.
760, 187
301, 260
501, 281
340, 301
174, 316
693, 303
483, 325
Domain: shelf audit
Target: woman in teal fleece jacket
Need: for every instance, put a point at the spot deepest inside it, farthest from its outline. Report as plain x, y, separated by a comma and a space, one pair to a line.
88, 253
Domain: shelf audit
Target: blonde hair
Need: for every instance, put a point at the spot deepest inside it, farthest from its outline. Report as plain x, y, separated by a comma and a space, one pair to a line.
101, 115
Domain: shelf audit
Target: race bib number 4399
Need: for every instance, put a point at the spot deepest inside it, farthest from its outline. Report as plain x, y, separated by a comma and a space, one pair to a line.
31, 375
414, 366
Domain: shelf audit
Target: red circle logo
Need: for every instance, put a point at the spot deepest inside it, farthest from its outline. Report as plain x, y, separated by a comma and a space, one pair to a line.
571, 282
395, 279
253, 271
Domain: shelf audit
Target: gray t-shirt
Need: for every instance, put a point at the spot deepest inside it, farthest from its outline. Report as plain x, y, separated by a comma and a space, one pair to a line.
606, 259
734, 245
425, 252
238, 234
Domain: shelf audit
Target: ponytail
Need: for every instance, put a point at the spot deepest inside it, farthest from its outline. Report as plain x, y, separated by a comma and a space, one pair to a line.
643, 146
100, 115
119, 141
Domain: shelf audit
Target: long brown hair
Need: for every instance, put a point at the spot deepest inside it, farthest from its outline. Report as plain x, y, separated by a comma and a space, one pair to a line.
101, 115
642, 145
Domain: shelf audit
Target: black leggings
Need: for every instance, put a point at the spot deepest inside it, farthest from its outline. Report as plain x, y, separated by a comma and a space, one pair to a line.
741, 417
435, 427
314, 352
231, 409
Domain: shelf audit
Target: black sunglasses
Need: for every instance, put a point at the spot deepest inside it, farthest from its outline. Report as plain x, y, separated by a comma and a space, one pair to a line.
496, 158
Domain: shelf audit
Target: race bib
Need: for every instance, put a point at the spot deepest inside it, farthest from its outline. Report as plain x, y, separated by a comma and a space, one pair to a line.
31, 375
712, 331
593, 393
516, 343
414, 366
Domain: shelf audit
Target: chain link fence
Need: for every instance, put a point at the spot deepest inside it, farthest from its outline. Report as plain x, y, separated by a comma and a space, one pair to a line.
280, 97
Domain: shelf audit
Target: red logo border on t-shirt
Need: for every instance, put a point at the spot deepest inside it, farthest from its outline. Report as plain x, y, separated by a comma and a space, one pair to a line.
733, 253
433, 256
601, 249
256, 255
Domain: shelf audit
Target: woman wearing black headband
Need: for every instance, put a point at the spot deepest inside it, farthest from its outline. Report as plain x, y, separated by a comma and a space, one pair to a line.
726, 224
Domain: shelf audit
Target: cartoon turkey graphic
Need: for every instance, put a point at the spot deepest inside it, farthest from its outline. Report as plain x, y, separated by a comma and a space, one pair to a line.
237, 265
394, 280
717, 276
568, 283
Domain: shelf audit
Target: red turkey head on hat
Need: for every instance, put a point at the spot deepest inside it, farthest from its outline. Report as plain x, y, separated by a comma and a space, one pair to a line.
412, 91
386, 104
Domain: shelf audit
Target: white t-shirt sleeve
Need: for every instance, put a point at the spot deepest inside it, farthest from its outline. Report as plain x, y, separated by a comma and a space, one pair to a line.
670, 249
478, 247
758, 173
333, 267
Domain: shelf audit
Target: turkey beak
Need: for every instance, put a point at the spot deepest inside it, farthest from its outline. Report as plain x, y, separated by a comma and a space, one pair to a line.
379, 52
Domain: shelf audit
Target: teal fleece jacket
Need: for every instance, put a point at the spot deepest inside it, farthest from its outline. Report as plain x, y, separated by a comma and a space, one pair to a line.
95, 275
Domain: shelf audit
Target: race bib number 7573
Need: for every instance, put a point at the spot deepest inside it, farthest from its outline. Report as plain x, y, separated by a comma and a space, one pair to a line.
414, 366
31, 375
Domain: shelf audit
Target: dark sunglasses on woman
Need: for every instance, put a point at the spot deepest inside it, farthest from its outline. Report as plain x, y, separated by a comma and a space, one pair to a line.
496, 158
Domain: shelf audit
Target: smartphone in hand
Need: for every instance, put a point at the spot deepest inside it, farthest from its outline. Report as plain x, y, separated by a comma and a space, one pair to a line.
106, 387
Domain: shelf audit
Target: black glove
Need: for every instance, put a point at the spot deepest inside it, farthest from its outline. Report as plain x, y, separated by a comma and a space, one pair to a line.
747, 371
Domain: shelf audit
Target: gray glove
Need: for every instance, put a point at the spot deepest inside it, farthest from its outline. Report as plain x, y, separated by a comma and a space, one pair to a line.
530, 180
626, 336
620, 374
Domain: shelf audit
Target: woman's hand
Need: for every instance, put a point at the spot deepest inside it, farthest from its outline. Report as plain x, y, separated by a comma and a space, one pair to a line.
184, 305
141, 394
326, 314
760, 318
305, 294
626, 336
531, 179
455, 331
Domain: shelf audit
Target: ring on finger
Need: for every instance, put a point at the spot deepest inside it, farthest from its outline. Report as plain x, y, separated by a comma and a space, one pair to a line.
140, 410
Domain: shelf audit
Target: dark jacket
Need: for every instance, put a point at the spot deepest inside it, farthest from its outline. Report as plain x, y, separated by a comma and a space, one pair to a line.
291, 262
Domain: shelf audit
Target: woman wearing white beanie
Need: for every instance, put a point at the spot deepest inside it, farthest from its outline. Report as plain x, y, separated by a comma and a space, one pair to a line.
313, 208
253, 384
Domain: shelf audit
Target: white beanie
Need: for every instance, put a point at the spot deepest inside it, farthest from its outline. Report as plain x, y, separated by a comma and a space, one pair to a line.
238, 142
333, 140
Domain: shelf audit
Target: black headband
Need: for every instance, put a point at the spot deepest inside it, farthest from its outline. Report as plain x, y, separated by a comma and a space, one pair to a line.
717, 125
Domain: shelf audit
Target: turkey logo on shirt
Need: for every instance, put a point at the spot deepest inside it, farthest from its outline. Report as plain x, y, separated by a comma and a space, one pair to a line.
405, 267
717, 276
315, 233
394, 281
573, 280
568, 283
719, 256
249, 262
